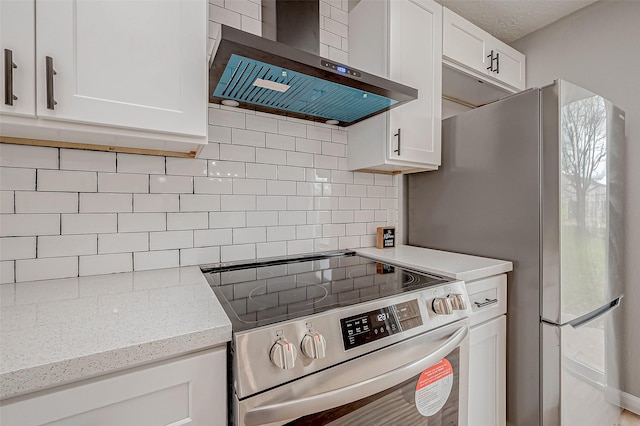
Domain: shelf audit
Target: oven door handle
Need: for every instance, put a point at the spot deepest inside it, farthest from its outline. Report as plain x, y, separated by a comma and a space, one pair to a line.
316, 403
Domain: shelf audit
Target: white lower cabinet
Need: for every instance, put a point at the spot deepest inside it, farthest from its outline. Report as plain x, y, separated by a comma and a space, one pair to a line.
488, 352
190, 390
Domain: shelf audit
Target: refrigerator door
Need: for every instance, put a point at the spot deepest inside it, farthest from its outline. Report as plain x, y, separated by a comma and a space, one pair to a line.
579, 380
582, 209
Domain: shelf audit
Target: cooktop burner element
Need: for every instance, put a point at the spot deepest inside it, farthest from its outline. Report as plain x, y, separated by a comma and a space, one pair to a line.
262, 293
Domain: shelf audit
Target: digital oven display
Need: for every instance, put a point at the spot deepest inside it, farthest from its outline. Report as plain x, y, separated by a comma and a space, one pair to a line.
373, 325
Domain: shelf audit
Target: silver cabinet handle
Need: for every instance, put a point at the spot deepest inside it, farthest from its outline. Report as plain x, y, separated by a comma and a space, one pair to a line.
51, 102
9, 66
335, 398
398, 135
487, 302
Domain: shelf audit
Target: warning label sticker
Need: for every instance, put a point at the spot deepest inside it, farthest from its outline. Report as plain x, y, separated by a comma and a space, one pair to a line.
433, 388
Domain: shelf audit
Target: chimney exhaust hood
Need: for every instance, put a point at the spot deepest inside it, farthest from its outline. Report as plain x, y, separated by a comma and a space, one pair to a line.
269, 76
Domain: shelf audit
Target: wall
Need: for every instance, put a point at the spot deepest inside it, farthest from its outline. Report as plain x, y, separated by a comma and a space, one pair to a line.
597, 48
264, 186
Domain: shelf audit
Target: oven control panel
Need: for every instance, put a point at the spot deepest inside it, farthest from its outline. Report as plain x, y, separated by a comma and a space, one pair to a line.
369, 326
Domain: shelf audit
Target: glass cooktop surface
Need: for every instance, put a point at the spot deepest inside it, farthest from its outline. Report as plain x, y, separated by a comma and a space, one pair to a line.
266, 292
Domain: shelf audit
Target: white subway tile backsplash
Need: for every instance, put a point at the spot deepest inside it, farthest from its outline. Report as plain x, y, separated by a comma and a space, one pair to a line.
271, 156
217, 134
142, 222
17, 179
145, 260
248, 137
89, 223
250, 186
381, 215
186, 166
337, 14
326, 203
364, 216
291, 173
105, 264
299, 246
367, 240
170, 240
281, 142
262, 218
12, 248
334, 149
7, 204
300, 203
388, 203
7, 275
199, 203
69, 181
237, 203
330, 39
145, 164
309, 145
227, 169
339, 135
370, 203
262, 171
301, 159
249, 235
250, 25
163, 184
342, 216
355, 229
156, 203
360, 178
292, 217
101, 202
356, 190
348, 242
281, 233
237, 252
182, 221
79, 159
226, 118
212, 237
199, 256
23, 225
333, 230
292, 128
336, 27
238, 153
392, 192
46, 202
309, 189
383, 180
376, 191
227, 220
262, 124
271, 202
325, 162
274, 249
339, 176
325, 9
325, 244
67, 245
123, 182
324, 48
244, 7
123, 242
51, 268
212, 185
278, 187
308, 231
33, 157
319, 217
349, 203
212, 150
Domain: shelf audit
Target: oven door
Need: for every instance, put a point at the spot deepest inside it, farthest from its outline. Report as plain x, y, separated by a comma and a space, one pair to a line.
420, 381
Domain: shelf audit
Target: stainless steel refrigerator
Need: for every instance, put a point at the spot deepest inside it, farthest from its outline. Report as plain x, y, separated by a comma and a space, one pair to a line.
538, 179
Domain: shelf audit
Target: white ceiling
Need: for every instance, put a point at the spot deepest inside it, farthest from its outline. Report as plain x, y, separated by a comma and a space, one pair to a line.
509, 20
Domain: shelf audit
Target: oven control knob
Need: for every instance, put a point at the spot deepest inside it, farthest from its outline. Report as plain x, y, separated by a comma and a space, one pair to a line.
457, 301
313, 345
442, 306
283, 354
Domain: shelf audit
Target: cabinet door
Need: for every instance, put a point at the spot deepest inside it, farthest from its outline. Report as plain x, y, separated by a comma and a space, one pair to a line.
125, 63
415, 52
17, 41
510, 65
487, 373
187, 391
464, 43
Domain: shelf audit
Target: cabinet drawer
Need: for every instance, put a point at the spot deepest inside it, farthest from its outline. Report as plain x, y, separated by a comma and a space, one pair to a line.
488, 298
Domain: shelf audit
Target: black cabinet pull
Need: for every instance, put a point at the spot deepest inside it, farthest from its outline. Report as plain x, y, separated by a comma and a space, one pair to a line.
490, 57
398, 149
51, 102
497, 63
9, 66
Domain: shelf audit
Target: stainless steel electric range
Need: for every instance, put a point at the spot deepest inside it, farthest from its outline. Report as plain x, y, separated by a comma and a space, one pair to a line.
336, 338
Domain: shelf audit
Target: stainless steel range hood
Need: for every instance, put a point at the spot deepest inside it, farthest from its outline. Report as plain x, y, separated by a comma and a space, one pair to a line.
274, 77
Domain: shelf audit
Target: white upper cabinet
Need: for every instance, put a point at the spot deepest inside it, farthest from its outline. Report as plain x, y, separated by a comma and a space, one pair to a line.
113, 68
399, 40
17, 36
470, 49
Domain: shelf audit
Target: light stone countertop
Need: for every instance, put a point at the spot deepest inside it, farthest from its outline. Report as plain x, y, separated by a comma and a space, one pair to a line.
54, 332
452, 265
